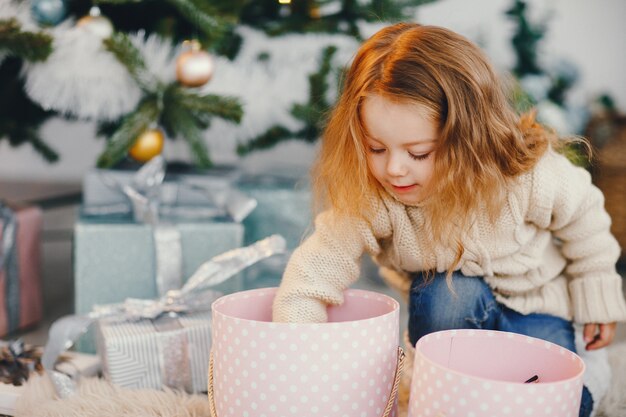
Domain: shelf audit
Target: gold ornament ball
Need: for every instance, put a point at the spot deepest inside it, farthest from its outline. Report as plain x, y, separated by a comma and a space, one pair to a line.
148, 145
194, 68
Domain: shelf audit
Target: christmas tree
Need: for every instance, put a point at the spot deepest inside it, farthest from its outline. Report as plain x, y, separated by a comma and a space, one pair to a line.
108, 61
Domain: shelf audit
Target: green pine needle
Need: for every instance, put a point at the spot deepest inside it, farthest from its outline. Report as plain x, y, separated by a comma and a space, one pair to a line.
44, 150
199, 150
28, 45
266, 140
132, 126
312, 114
186, 125
211, 26
180, 118
128, 55
228, 108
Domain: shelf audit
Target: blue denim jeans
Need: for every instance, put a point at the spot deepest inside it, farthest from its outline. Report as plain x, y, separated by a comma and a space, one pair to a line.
433, 307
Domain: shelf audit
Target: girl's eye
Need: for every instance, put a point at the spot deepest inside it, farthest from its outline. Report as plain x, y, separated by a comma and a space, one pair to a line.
421, 157
376, 150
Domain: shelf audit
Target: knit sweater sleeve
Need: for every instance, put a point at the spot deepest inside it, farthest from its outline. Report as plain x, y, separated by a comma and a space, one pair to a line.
325, 265
564, 201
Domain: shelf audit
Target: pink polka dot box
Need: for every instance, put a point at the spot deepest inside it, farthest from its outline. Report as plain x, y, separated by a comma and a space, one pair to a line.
347, 367
482, 373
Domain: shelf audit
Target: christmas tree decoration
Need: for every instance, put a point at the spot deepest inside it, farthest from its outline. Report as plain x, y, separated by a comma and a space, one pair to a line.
278, 17
95, 23
147, 145
48, 12
21, 11
28, 45
194, 67
525, 40
178, 110
82, 79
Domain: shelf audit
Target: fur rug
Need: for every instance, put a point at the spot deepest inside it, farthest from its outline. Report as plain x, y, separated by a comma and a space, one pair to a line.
98, 398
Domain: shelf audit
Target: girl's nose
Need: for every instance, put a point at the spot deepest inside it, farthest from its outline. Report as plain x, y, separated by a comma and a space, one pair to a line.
395, 165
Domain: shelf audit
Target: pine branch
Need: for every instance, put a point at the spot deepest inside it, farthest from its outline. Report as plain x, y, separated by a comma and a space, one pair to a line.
128, 55
266, 140
311, 114
211, 26
132, 126
180, 122
200, 152
40, 146
210, 105
525, 40
28, 45
318, 84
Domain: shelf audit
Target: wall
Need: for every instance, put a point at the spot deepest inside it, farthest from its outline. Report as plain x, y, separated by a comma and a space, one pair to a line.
592, 35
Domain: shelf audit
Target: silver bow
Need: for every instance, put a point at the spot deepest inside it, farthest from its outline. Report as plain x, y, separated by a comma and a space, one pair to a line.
148, 187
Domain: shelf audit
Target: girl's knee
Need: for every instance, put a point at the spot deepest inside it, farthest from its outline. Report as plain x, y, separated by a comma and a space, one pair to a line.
434, 305
458, 289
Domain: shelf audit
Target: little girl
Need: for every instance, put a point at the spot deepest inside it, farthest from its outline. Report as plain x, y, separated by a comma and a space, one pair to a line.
466, 207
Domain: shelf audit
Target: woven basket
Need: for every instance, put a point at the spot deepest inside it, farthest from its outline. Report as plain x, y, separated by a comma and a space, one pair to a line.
608, 135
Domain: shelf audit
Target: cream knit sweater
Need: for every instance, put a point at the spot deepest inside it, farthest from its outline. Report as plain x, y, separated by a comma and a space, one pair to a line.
529, 271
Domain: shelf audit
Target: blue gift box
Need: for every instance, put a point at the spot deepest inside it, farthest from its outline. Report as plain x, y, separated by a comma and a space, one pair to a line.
115, 259
283, 207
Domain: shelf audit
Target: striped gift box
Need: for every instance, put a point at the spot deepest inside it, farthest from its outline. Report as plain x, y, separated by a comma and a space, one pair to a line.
170, 351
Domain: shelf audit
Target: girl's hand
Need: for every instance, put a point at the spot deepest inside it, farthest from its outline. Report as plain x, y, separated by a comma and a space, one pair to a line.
598, 335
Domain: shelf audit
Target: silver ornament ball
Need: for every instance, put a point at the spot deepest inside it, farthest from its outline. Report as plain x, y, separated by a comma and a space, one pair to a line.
194, 67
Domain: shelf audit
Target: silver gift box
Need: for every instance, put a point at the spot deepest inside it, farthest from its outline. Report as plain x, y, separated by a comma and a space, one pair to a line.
170, 351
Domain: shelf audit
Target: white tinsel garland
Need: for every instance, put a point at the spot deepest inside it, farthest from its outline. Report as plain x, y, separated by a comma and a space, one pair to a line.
269, 88
19, 11
81, 78
159, 55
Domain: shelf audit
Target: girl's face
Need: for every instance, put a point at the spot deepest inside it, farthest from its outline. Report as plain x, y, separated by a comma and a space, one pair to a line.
400, 145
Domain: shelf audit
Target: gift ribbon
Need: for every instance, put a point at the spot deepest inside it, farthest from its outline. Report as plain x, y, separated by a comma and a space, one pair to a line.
175, 349
195, 295
147, 188
169, 258
9, 262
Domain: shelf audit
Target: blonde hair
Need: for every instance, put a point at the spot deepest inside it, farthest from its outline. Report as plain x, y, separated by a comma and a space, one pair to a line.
482, 142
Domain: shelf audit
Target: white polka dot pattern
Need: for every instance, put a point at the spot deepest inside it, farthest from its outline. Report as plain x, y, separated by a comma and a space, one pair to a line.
265, 369
480, 373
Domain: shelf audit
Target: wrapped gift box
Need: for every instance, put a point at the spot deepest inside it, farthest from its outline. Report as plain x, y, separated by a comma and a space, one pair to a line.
170, 351
182, 185
20, 270
115, 260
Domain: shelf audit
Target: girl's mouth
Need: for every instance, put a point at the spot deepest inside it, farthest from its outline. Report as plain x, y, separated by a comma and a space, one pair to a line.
403, 189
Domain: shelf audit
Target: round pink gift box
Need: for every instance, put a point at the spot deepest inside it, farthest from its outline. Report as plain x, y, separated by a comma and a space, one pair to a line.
482, 373
345, 367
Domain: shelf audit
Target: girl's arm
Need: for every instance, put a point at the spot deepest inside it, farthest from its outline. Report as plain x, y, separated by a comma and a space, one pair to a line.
564, 200
325, 265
